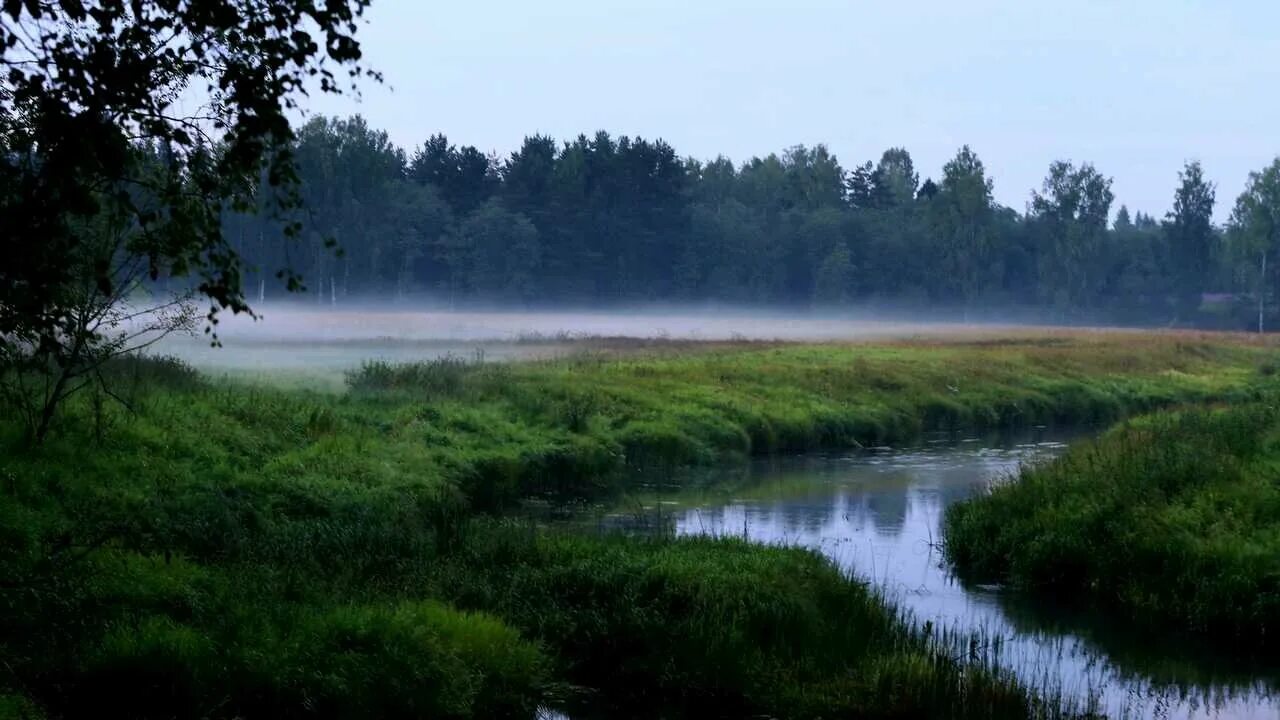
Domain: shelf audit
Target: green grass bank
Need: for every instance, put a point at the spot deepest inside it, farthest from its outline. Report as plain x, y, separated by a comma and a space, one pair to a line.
1171, 520
575, 427
231, 550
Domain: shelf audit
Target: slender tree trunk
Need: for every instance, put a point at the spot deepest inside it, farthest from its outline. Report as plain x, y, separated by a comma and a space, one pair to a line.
1262, 290
403, 278
64, 374
50, 406
262, 280
54, 398
319, 275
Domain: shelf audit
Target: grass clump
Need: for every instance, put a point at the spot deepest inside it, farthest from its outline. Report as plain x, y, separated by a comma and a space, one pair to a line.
439, 377
408, 659
1172, 520
700, 625
134, 636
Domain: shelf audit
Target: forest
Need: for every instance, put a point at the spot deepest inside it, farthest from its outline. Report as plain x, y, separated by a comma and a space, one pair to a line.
614, 220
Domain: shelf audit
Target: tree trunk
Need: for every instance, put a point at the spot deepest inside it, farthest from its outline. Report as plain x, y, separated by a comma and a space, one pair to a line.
262, 280
50, 407
1262, 290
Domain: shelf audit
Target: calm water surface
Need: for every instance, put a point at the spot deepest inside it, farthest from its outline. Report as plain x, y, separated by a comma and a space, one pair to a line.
877, 514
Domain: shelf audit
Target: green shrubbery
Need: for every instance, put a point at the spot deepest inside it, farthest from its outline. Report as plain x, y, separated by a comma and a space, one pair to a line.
1174, 519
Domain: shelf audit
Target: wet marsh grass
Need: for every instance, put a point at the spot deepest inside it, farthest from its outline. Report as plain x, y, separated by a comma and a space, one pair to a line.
703, 626
1171, 520
232, 549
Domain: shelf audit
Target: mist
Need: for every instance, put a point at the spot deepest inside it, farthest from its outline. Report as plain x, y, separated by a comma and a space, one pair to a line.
298, 339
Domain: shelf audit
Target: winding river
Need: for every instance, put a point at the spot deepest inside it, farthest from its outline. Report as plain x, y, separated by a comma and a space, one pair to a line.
877, 514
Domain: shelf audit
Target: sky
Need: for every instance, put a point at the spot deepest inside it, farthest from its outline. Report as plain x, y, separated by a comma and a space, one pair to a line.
1135, 87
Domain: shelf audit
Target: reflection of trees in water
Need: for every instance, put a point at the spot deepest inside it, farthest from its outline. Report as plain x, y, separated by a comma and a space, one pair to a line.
809, 518
887, 512
1176, 669
834, 505
765, 513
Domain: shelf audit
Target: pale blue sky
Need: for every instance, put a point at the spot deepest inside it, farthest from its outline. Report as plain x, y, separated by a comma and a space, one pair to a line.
1135, 87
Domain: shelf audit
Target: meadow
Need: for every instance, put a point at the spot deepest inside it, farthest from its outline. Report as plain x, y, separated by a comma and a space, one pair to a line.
209, 548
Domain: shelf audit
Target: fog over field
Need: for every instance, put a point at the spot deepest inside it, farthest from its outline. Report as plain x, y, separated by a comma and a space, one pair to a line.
294, 337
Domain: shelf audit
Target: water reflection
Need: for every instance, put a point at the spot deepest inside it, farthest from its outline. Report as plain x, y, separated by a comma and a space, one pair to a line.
877, 514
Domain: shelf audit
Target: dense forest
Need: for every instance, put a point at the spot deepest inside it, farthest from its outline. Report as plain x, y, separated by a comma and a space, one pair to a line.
612, 220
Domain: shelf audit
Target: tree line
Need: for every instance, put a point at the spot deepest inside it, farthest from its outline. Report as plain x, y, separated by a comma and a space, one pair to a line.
603, 219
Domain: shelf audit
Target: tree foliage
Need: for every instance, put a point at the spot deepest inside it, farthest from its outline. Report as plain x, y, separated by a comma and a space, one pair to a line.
963, 213
616, 219
1071, 212
1254, 230
108, 179
1191, 236
86, 81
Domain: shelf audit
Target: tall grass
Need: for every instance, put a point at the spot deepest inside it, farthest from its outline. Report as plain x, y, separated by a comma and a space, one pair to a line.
235, 550
570, 427
411, 658
438, 377
698, 626
1173, 520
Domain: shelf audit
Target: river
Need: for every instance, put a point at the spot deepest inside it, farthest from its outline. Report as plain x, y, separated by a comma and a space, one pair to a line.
877, 514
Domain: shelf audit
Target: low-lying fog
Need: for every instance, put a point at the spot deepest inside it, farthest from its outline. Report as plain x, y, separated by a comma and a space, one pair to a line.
289, 339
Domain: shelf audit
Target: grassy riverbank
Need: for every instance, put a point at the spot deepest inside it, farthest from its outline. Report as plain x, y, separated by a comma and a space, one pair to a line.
573, 426
1173, 520
225, 549
719, 627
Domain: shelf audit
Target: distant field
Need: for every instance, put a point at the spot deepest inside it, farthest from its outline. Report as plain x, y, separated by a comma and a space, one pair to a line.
292, 345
